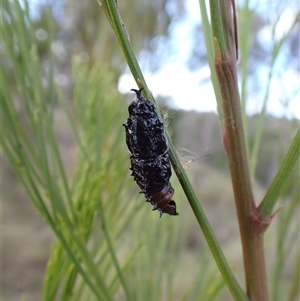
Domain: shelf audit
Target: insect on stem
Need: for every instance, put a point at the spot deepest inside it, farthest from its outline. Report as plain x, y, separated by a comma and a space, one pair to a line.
149, 155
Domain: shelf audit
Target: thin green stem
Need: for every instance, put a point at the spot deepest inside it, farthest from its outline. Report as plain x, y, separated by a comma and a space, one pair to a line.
267, 205
112, 251
245, 18
122, 35
262, 116
112, 13
207, 32
103, 293
212, 242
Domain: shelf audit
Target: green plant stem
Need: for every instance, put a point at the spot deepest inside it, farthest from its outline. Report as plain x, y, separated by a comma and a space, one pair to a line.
112, 251
212, 242
267, 205
112, 13
235, 147
207, 33
245, 32
118, 26
262, 116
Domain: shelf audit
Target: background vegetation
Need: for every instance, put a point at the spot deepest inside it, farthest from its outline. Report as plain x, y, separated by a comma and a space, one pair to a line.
65, 154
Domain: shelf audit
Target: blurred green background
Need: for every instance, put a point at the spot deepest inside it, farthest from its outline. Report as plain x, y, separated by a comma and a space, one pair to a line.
65, 55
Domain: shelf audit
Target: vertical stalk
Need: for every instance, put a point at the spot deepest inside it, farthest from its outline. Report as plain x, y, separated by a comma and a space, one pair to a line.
110, 9
250, 222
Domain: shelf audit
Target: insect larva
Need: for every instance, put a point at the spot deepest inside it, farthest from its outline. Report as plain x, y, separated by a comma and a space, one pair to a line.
149, 155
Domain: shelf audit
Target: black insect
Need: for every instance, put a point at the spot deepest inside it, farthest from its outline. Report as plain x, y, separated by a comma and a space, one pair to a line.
150, 164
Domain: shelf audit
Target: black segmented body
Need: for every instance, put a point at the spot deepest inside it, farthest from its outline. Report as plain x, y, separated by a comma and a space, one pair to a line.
148, 147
